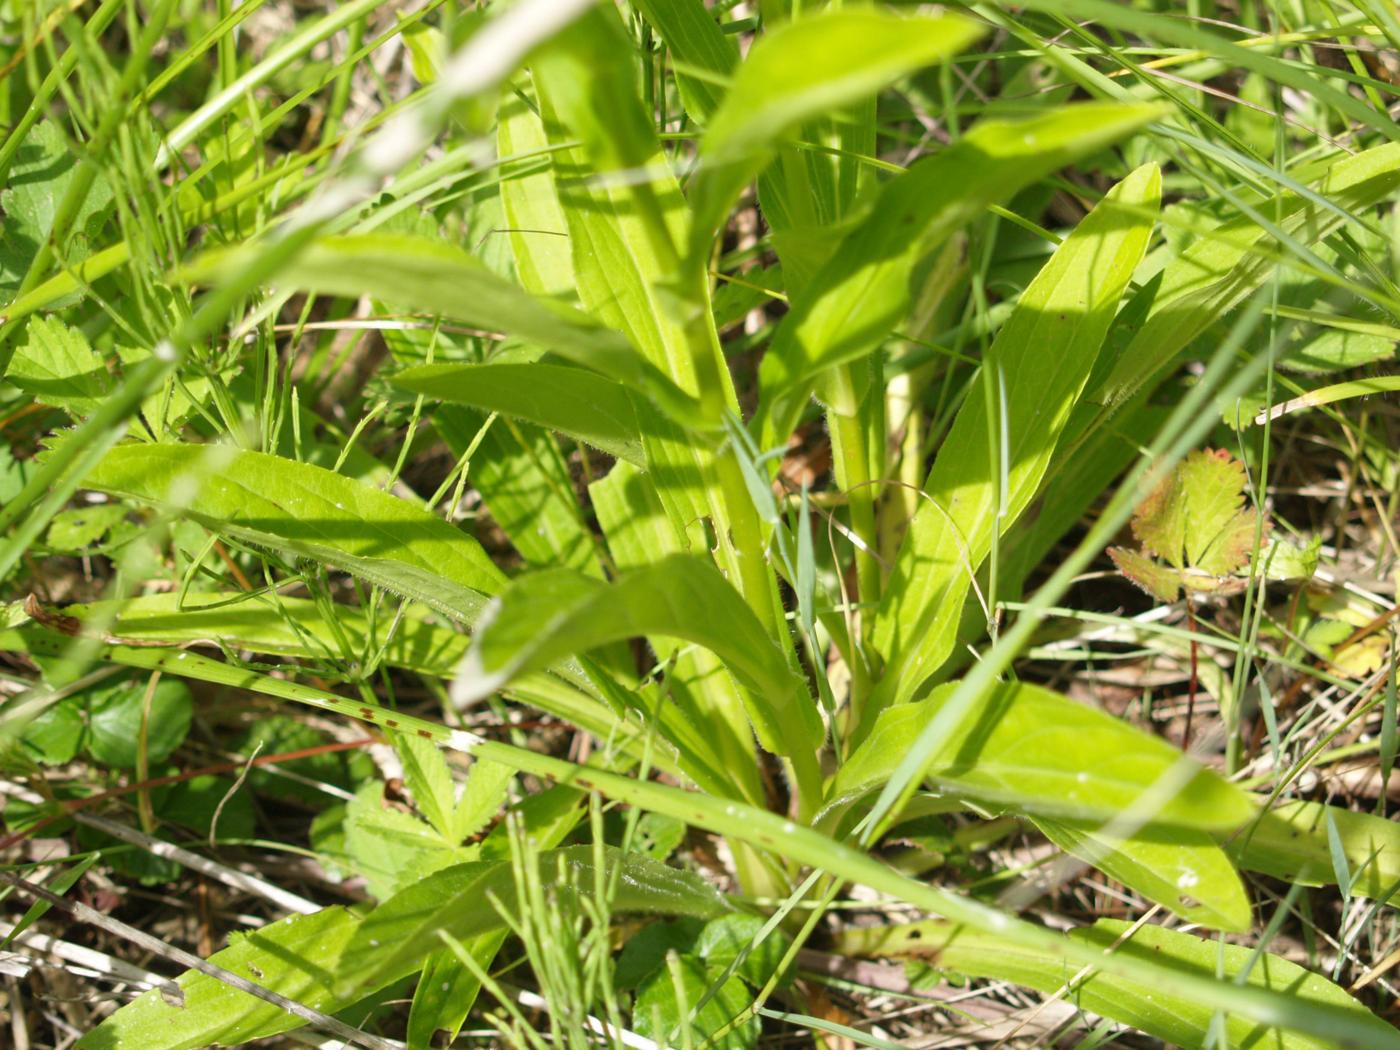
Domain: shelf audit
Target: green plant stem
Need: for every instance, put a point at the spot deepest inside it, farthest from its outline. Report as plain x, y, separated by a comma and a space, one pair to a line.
38, 105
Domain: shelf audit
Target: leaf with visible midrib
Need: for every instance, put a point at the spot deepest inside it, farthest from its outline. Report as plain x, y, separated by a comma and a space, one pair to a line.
1042, 753
583, 405
309, 512
1044, 355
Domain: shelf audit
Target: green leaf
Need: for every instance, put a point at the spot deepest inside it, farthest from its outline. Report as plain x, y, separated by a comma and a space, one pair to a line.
1042, 753
263, 623
296, 957
429, 781
487, 789
1180, 868
582, 405
1217, 272
696, 42
37, 180
1290, 842
661, 1009
435, 277
116, 712
391, 848
1062, 316
1180, 1020
399, 934
78, 528
803, 70
1195, 517
539, 233
309, 512
724, 939
624, 233
864, 290
57, 367
544, 617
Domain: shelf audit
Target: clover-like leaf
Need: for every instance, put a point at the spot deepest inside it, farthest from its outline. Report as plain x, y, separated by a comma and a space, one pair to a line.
1194, 528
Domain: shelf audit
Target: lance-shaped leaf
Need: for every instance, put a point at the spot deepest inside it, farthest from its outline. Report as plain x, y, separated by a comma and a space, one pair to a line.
435, 277
546, 616
580, 404
308, 512
862, 293
1181, 1020
1290, 842
1039, 752
803, 70
400, 933
1042, 358
1182, 869
295, 957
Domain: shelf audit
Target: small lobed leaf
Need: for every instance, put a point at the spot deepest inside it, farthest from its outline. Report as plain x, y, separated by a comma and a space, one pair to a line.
1195, 521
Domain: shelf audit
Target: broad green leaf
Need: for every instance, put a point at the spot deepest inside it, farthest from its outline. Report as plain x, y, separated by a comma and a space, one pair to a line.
583, 405
1042, 753
1216, 273
737, 821
723, 940
665, 1000
399, 934
1290, 842
1182, 869
309, 512
803, 70
1181, 1020
117, 713
296, 957
863, 292
544, 617
433, 276
1041, 359
57, 367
